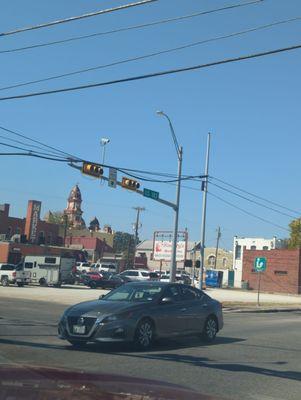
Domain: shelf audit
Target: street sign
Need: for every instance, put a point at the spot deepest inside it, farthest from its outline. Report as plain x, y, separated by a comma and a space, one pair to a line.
151, 194
260, 264
112, 182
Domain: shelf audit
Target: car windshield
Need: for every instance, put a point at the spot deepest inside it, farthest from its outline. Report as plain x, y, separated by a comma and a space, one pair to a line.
137, 293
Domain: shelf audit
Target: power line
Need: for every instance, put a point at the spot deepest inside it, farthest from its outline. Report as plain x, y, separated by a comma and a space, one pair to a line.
71, 19
33, 152
252, 201
247, 212
154, 74
150, 55
256, 196
39, 142
128, 28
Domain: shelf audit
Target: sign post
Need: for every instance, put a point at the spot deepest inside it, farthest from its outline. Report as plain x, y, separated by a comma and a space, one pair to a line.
260, 265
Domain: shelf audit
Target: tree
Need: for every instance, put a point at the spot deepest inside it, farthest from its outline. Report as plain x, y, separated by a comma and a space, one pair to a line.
295, 234
124, 242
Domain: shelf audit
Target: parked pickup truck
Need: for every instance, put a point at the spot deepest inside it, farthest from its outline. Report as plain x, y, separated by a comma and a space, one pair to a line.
11, 274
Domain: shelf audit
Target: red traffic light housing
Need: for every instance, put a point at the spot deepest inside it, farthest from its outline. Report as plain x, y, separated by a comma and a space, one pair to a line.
92, 169
131, 184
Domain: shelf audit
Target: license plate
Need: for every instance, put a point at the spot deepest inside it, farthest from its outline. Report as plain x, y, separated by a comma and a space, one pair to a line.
80, 329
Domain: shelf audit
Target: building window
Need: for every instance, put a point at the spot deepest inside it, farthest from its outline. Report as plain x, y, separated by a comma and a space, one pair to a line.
211, 261
224, 262
253, 247
237, 252
49, 238
41, 238
265, 248
280, 272
9, 232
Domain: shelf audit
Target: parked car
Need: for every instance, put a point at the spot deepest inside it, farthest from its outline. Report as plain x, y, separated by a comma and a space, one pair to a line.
7, 274
154, 276
180, 278
105, 266
139, 312
136, 274
107, 280
83, 266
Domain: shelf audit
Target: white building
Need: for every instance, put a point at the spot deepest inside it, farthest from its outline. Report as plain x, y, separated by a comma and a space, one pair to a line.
241, 243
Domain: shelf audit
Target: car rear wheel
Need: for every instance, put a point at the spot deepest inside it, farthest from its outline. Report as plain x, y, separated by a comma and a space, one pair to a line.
77, 343
42, 282
144, 334
5, 281
20, 284
210, 329
93, 285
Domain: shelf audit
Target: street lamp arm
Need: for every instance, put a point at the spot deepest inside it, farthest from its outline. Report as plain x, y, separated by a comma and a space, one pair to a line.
174, 138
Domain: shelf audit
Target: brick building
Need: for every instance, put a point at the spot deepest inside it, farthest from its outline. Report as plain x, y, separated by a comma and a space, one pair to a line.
13, 252
95, 247
32, 229
283, 273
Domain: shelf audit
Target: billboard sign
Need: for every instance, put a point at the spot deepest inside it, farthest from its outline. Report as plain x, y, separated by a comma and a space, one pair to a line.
35, 216
162, 247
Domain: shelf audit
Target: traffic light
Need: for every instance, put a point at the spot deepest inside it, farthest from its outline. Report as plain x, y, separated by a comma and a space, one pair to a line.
92, 169
197, 264
131, 184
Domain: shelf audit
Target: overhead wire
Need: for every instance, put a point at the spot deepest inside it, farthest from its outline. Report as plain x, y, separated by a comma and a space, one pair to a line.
32, 153
247, 212
133, 27
251, 201
78, 17
154, 74
149, 55
40, 143
255, 195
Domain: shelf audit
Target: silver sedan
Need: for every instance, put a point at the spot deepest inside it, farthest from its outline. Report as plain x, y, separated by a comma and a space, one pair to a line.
140, 312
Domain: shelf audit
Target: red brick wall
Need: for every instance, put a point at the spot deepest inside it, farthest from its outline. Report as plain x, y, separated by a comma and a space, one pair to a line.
89, 243
11, 251
277, 260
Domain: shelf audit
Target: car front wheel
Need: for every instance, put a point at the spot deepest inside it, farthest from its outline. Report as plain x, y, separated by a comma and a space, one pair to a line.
144, 334
5, 281
210, 329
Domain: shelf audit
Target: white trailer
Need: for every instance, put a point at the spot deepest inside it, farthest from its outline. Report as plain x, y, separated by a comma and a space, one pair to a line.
50, 270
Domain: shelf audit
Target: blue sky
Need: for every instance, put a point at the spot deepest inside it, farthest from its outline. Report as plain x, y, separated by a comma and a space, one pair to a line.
252, 109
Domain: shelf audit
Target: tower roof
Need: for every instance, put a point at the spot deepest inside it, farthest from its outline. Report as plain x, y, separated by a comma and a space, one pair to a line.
75, 194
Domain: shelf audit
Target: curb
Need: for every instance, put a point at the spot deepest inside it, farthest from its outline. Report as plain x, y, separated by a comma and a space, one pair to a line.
259, 310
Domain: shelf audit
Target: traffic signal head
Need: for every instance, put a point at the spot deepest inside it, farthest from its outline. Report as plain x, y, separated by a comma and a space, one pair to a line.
130, 183
197, 264
92, 169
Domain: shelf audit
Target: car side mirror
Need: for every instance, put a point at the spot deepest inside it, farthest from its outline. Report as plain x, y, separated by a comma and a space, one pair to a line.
101, 296
167, 300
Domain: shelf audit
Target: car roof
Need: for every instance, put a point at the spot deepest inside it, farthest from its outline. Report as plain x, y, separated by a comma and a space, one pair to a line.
149, 283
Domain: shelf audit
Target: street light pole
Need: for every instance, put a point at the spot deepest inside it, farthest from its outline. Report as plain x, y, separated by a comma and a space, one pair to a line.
173, 261
179, 150
204, 209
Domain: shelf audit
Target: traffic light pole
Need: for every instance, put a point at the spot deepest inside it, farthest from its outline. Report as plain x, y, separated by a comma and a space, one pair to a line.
204, 209
162, 201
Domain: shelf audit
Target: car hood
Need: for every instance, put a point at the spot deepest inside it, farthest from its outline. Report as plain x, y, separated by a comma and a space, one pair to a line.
102, 307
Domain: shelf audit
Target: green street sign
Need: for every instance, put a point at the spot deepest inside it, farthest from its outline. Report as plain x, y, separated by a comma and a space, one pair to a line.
151, 194
260, 264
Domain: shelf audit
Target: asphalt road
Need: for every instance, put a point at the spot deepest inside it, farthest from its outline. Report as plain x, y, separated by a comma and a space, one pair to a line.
256, 356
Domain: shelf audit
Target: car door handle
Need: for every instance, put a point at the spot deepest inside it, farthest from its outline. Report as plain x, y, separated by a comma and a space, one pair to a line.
205, 305
183, 309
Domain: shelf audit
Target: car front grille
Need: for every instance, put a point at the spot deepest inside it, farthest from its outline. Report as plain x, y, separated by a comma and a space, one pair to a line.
88, 322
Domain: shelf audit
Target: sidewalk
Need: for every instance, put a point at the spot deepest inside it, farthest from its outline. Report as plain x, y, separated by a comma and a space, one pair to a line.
246, 301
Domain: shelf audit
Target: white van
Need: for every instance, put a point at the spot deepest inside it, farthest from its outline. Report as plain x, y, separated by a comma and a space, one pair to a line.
106, 266
49, 270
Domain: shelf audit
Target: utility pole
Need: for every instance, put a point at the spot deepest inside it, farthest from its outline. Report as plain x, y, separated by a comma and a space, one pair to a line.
173, 261
217, 243
137, 223
204, 209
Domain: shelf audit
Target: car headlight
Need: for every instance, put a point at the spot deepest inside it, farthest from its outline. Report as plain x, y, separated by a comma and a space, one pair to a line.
113, 318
